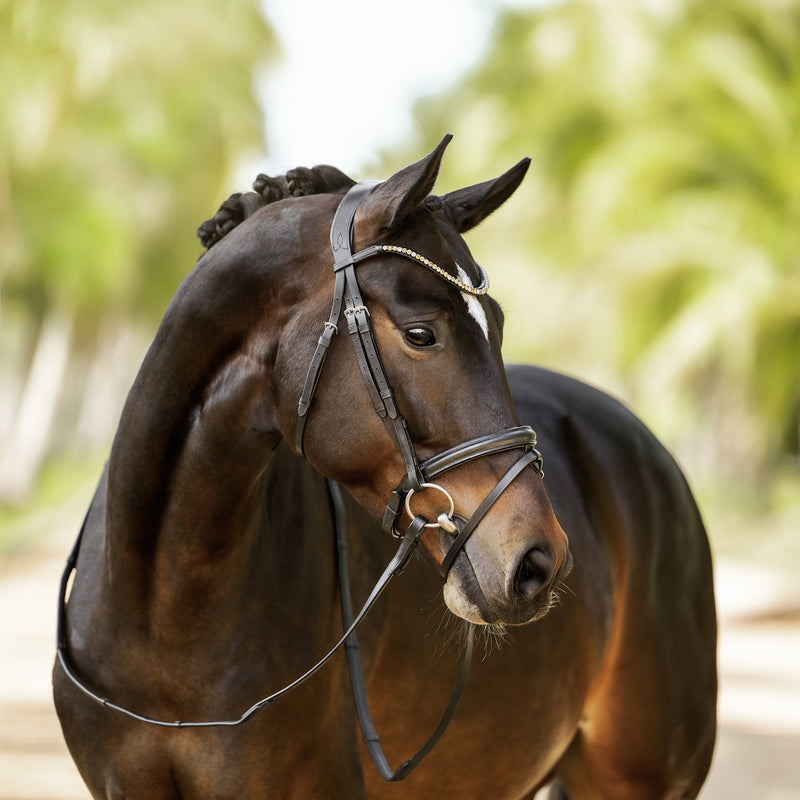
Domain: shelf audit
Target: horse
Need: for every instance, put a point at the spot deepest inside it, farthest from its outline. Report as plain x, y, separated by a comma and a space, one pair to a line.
206, 574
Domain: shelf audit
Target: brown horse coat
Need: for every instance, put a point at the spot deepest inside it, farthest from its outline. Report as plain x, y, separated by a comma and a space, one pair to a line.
206, 578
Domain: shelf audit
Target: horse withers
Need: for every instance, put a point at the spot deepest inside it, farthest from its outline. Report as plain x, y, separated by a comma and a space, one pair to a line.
206, 574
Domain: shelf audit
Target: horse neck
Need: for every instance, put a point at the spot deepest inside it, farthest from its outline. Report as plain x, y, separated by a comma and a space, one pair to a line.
198, 428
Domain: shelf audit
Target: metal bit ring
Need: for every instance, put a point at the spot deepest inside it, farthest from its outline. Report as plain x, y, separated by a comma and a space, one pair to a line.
444, 520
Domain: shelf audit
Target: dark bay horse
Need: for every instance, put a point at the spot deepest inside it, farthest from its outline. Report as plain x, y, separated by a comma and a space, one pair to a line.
206, 576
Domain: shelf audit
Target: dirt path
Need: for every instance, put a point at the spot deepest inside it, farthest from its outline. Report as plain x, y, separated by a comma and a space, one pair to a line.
758, 754
34, 761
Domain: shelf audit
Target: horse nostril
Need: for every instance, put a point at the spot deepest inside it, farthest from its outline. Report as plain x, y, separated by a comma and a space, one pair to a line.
534, 573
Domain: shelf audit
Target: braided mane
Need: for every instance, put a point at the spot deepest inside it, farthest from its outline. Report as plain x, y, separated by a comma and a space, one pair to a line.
298, 182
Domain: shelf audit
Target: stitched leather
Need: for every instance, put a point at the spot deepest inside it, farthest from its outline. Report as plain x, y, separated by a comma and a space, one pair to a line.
510, 439
483, 508
367, 356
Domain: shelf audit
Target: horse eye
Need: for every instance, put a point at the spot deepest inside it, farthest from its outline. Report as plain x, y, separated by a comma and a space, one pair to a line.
420, 336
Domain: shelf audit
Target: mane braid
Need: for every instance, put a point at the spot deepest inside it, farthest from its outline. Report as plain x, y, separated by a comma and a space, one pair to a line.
298, 182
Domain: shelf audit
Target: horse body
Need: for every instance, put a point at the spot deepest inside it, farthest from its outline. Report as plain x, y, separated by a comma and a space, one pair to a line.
206, 578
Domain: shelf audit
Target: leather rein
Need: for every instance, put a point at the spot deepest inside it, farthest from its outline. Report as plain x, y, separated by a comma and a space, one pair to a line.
419, 477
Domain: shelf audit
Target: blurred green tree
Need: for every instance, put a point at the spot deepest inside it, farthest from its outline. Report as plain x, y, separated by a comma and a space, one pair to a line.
655, 246
119, 126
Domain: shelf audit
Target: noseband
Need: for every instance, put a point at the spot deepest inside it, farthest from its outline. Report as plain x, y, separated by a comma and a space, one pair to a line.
419, 476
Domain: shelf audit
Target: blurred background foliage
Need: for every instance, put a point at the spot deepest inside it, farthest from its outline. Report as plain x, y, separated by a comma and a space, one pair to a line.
121, 126
654, 248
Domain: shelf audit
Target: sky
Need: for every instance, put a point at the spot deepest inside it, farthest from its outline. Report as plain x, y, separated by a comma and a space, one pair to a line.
350, 71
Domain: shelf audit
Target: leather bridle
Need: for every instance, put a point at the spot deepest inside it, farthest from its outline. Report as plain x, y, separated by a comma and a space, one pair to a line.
419, 477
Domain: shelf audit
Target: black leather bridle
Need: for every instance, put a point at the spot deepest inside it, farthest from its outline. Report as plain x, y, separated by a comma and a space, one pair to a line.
347, 296
419, 477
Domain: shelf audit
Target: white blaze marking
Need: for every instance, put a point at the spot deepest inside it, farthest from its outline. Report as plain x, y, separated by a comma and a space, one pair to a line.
474, 307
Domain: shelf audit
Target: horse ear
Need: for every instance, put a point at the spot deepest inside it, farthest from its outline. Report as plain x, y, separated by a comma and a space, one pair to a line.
467, 207
386, 206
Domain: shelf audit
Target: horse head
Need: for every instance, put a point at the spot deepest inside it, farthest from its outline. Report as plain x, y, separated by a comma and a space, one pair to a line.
437, 338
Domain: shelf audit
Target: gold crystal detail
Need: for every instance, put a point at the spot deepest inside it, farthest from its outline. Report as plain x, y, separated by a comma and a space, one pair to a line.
464, 287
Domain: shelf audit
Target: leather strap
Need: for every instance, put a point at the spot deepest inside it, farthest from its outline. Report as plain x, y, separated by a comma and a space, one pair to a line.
370, 735
317, 362
343, 221
394, 567
522, 436
341, 245
374, 376
510, 439
369, 362
480, 511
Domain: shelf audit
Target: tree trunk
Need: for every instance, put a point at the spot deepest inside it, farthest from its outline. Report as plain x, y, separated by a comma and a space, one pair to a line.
29, 434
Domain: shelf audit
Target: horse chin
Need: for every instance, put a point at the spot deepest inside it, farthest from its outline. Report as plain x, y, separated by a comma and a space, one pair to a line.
461, 606
465, 598
479, 614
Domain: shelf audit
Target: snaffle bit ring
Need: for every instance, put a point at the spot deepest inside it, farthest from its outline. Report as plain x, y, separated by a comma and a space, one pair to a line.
444, 521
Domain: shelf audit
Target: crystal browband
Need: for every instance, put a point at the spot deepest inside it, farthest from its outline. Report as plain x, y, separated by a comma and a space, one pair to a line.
426, 262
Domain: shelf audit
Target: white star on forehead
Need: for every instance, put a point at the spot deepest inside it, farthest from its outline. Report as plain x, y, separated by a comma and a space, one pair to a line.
474, 306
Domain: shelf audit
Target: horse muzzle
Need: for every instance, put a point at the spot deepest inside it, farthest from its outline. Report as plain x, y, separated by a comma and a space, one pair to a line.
501, 563
510, 578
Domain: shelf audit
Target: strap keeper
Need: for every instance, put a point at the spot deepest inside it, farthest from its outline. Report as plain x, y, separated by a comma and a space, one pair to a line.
409, 543
391, 513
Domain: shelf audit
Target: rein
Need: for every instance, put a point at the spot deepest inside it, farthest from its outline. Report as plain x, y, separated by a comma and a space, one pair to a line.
395, 567
419, 477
